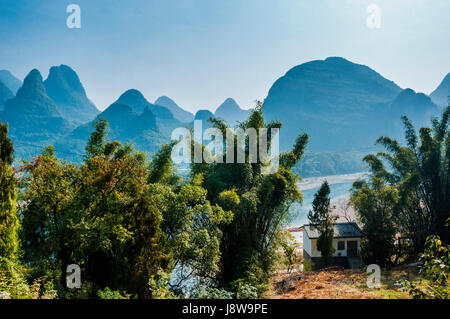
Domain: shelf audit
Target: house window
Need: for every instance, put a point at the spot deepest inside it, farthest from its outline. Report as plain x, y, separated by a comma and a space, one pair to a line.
341, 245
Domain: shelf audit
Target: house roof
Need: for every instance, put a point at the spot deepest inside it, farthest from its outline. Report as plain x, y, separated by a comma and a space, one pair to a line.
295, 229
341, 230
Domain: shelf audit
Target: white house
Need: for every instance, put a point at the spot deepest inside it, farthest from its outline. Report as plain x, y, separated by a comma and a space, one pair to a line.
346, 242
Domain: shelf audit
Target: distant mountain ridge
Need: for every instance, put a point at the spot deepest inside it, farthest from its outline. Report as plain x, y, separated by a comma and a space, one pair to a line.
165, 120
341, 104
204, 116
10, 81
32, 98
179, 113
135, 99
124, 125
131, 119
231, 112
5, 95
32, 116
64, 87
417, 106
441, 96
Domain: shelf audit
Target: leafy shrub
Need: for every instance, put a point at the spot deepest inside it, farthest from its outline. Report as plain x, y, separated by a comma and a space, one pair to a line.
246, 291
112, 294
307, 265
158, 286
436, 268
211, 293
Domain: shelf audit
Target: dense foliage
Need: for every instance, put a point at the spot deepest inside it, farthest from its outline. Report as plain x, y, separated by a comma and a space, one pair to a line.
136, 229
375, 204
435, 266
11, 278
420, 171
260, 205
408, 196
9, 221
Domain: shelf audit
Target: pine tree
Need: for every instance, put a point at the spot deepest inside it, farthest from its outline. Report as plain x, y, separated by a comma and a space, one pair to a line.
321, 219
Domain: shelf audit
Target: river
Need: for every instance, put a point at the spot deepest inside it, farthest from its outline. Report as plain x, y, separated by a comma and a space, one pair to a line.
340, 186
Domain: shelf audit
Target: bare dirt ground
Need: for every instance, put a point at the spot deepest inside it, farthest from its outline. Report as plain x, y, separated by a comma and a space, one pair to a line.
339, 283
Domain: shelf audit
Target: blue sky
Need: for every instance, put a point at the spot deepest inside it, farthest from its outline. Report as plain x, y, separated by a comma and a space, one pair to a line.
199, 52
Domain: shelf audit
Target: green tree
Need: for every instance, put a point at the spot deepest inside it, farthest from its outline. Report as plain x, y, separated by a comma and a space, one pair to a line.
9, 220
260, 204
100, 215
125, 222
143, 223
11, 272
191, 223
122, 244
321, 218
161, 167
49, 216
375, 205
288, 245
421, 173
96, 143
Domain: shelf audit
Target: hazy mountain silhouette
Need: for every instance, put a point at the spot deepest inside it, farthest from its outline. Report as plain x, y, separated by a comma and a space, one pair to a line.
33, 117
441, 96
5, 95
127, 124
138, 103
135, 99
10, 81
204, 116
230, 111
179, 113
165, 120
64, 87
385, 118
32, 99
417, 106
342, 105
124, 123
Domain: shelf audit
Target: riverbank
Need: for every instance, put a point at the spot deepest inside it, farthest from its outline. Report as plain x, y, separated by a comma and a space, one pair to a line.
315, 182
340, 186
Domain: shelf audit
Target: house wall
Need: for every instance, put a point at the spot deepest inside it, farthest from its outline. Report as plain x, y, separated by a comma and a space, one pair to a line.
306, 243
314, 251
337, 252
310, 246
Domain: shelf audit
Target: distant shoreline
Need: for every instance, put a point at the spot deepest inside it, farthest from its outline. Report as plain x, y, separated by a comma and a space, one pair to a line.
340, 203
315, 182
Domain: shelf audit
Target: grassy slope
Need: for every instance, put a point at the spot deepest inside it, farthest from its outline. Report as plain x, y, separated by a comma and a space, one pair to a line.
338, 283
